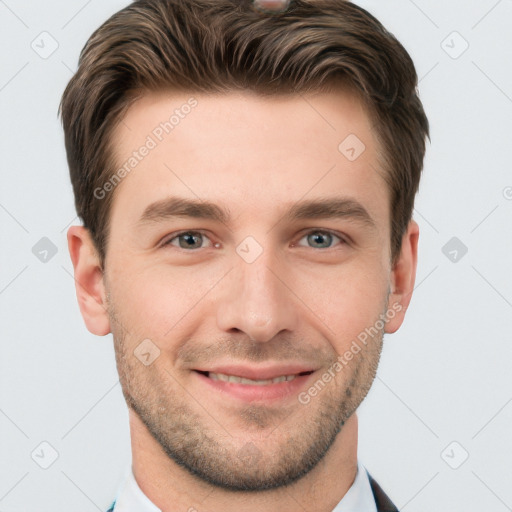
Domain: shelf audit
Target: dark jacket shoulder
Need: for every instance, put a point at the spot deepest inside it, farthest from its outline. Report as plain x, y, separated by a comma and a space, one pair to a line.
384, 504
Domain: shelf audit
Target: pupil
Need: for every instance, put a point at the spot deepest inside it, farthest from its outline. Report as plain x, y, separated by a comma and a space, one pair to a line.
321, 239
190, 240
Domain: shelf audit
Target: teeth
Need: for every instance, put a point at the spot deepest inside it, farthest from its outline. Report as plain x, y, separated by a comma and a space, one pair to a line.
243, 380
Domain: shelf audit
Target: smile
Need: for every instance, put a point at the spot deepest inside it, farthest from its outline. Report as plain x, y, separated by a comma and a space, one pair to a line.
253, 382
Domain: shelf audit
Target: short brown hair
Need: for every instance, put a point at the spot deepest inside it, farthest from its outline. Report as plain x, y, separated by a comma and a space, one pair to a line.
222, 45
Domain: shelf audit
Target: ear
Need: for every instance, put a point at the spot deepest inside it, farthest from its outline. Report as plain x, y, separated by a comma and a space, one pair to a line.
89, 284
403, 276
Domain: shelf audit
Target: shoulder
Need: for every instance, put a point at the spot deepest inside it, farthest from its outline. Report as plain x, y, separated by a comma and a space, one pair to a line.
384, 504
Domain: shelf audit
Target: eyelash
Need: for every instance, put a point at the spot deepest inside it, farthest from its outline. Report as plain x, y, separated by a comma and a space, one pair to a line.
176, 236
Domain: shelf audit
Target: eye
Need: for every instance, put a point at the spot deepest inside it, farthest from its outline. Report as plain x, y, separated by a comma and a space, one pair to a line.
320, 239
188, 240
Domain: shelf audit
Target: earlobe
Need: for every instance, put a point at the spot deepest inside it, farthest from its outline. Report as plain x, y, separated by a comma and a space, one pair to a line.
89, 283
403, 277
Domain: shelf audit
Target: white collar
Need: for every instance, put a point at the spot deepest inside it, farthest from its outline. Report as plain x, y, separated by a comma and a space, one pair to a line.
130, 497
359, 498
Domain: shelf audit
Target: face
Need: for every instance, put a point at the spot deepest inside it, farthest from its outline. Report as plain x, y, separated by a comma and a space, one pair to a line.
248, 252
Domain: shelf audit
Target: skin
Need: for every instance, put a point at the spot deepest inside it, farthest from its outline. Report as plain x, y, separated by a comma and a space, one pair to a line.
305, 299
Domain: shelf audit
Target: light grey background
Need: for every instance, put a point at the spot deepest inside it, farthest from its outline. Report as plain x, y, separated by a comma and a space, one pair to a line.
444, 388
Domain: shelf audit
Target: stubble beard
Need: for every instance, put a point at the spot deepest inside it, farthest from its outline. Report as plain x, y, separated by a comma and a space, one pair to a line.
277, 447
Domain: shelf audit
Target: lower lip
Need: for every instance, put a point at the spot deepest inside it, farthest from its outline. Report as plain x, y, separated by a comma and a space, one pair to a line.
254, 393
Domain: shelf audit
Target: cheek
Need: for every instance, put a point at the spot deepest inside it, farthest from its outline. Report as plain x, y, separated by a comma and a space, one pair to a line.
153, 300
346, 300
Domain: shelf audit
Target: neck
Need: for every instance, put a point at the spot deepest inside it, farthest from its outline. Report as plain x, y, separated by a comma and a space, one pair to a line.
171, 488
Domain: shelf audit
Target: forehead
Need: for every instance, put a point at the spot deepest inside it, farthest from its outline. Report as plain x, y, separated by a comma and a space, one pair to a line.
249, 152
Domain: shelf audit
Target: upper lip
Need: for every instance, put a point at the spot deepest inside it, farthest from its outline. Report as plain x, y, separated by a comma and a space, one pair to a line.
258, 372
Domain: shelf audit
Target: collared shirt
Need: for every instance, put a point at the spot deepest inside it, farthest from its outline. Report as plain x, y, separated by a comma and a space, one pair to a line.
359, 498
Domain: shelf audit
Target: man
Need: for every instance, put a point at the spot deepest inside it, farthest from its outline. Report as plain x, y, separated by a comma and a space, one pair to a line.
246, 177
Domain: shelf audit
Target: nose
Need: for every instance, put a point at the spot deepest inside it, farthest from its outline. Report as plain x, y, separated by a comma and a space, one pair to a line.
257, 299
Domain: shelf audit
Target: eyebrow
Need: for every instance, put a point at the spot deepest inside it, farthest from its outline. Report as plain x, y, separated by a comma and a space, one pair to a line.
181, 207
337, 207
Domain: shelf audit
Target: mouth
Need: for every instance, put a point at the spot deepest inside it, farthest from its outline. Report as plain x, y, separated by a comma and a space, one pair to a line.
255, 384
252, 382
